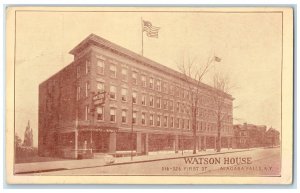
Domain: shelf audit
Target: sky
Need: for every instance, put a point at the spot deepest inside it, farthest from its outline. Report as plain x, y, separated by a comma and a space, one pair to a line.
249, 45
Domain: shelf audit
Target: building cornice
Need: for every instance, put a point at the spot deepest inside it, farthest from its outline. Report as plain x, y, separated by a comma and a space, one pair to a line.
98, 41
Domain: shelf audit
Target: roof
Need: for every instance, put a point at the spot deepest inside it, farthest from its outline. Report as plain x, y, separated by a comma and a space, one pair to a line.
93, 39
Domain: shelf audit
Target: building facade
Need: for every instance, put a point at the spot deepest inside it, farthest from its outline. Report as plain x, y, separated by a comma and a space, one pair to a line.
112, 100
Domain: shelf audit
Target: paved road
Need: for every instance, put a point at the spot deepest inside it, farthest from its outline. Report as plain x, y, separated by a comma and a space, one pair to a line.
252, 162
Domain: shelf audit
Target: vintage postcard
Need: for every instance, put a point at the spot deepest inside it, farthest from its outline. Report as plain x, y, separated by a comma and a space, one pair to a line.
149, 95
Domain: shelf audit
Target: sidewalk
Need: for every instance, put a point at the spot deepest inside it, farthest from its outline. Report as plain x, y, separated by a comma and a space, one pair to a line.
37, 167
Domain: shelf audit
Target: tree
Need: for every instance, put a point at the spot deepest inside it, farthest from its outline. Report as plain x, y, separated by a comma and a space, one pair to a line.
193, 73
28, 136
223, 110
18, 141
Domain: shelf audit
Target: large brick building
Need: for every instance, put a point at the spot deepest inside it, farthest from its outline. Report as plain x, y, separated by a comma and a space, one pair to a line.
146, 106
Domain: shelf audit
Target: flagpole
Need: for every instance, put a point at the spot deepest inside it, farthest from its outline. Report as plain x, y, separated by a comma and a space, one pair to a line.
142, 36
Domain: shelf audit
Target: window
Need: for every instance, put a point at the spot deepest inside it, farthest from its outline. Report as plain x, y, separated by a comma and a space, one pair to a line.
134, 114
134, 77
112, 115
158, 85
187, 109
171, 90
177, 106
100, 114
100, 86
151, 101
134, 97
143, 100
165, 121
158, 120
87, 66
78, 93
151, 120
188, 124
124, 94
171, 122
165, 104
182, 108
143, 118
87, 87
165, 87
124, 116
112, 93
177, 93
182, 123
100, 66
143, 80
86, 112
124, 74
171, 105
177, 123
151, 83
113, 71
78, 71
158, 103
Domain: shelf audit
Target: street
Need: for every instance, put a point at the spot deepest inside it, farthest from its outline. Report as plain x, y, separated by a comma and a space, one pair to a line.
260, 162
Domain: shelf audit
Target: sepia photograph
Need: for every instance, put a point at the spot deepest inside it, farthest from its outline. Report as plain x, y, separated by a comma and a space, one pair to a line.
151, 94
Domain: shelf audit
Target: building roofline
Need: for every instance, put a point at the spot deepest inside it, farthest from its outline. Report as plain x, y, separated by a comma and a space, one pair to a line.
93, 39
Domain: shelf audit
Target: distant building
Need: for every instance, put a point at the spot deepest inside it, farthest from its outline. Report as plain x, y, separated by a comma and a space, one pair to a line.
272, 137
146, 106
250, 135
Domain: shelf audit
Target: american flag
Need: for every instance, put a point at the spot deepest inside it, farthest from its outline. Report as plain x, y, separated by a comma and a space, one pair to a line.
217, 59
151, 30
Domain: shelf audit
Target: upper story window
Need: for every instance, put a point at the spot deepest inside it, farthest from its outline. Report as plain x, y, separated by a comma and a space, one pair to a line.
158, 102
143, 118
158, 120
124, 94
100, 86
87, 110
134, 77
124, 116
143, 80
151, 82
100, 66
171, 90
165, 104
87, 66
134, 117
143, 100
182, 123
100, 114
165, 87
124, 74
177, 123
87, 87
113, 71
171, 122
78, 71
134, 97
177, 106
113, 115
151, 120
188, 124
171, 106
158, 85
112, 92
177, 92
165, 121
78, 93
151, 101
